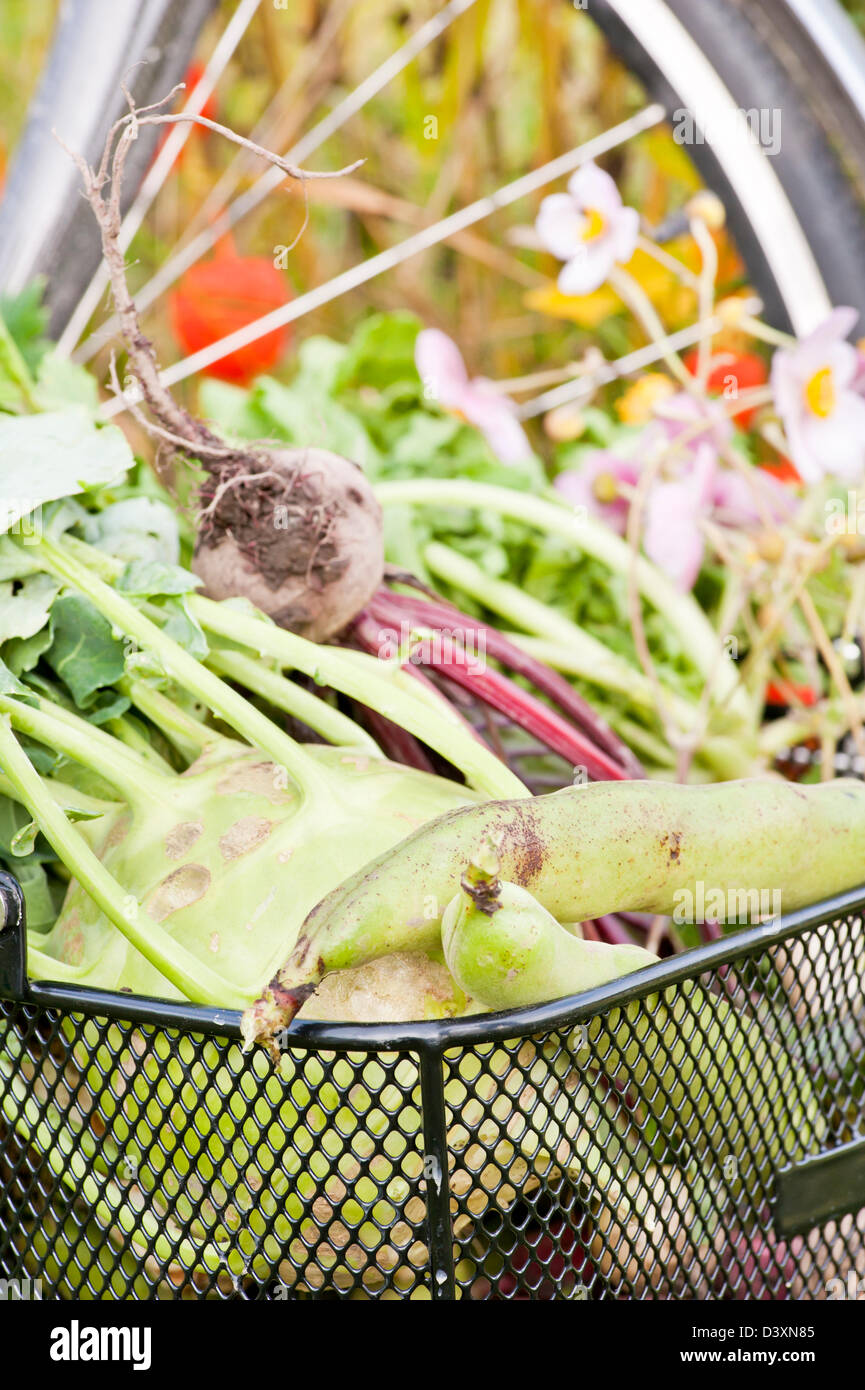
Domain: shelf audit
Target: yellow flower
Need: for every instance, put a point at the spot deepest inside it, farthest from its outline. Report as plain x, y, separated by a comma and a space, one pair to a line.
637, 405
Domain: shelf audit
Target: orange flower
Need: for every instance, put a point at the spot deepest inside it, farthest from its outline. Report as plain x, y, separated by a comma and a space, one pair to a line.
219, 296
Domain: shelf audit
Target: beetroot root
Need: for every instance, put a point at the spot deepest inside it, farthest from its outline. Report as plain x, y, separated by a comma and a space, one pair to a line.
296, 531
299, 533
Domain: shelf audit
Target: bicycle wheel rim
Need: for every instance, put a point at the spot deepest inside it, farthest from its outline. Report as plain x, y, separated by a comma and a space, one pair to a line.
653, 42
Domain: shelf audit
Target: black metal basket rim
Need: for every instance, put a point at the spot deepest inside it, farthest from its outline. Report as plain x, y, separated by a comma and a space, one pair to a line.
422, 1036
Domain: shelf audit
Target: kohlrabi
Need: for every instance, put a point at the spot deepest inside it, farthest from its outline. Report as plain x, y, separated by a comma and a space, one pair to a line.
194, 884
196, 834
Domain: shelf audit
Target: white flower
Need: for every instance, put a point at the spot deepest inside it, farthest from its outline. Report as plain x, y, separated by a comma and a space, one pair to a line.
816, 394
589, 228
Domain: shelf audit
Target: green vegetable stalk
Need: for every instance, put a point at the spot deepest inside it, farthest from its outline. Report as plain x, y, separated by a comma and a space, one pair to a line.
251, 825
591, 537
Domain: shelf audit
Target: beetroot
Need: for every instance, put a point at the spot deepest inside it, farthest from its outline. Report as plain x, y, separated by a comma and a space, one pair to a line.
296, 531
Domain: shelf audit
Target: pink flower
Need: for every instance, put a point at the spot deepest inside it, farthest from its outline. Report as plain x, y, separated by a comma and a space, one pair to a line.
589, 228
595, 486
681, 415
673, 537
816, 385
692, 486
446, 381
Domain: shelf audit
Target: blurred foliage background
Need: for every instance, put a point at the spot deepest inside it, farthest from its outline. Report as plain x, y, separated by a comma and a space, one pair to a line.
510, 84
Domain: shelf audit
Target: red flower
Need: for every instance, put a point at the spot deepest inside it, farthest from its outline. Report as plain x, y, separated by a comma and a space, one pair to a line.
789, 693
219, 296
782, 469
730, 373
191, 79
210, 109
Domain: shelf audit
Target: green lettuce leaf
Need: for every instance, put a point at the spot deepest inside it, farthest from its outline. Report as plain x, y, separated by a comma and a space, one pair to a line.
84, 652
53, 455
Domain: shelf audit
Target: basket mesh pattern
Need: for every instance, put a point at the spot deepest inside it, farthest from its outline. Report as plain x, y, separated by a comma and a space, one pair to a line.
633, 1153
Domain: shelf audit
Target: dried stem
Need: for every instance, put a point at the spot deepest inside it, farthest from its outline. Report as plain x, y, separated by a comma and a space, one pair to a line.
293, 171
173, 422
834, 667
734, 602
705, 293
150, 426
771, 631
640, 305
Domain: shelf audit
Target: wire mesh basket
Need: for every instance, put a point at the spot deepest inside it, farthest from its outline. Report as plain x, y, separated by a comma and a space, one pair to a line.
693, 1132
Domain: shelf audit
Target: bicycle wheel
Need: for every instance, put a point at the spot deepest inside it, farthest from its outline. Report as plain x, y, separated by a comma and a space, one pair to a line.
43, 221
794, 209
794, 212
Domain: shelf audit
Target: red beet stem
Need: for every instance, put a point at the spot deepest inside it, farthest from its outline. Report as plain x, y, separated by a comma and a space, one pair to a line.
395, 742
393, 608
523, 708
639, 921
529, 712
611, 928
367, 635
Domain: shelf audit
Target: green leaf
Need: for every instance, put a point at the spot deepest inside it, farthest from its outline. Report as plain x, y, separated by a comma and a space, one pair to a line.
84, 653
145, 665
10, 685
23, 840
49, 456
135, 528
17, 561
16, 386
41, 910
58, 517
27, 320
13, 818
108, 706
145, 578
45, 761
381, 351
76, 813
60, 382
425, 435
23, 654
320, 361
309, 419
185, 630
26, 612
232, 409
404, 540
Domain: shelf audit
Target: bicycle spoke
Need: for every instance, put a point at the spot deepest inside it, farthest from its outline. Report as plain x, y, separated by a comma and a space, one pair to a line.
160, 168
299, 86
386, 260
307, 145
584, 386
